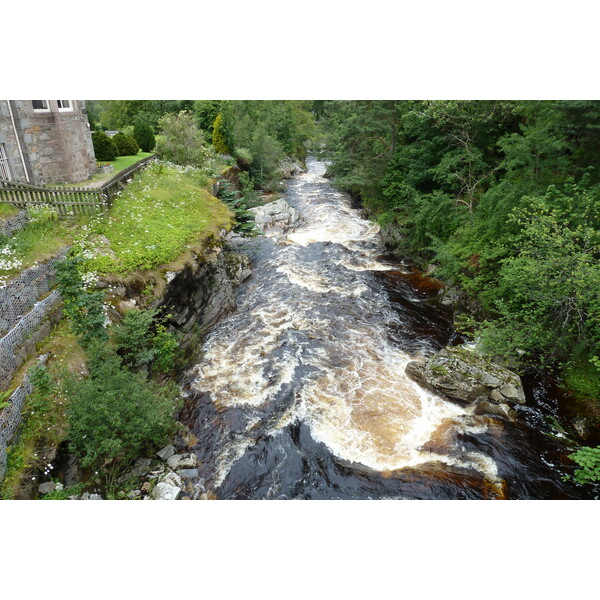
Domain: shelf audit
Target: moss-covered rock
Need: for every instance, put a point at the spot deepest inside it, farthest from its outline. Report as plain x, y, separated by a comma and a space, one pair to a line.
463, 376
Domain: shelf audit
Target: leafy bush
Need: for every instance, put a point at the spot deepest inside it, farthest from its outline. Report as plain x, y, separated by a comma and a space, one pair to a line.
104, 147
115, 414
589, 461
142, 341
85, 307
218, 137
182, 142
126, 146
144, 136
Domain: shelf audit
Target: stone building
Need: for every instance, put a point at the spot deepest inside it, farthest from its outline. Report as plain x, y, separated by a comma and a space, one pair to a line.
45, 141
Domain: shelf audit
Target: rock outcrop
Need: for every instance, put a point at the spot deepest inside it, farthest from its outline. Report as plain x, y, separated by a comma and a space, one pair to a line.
276, 217
467, 378
289, 167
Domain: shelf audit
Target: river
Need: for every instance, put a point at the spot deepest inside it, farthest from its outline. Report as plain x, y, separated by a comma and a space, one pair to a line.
301, 393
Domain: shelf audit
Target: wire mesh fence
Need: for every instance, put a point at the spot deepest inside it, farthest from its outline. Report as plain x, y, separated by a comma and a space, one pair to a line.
19, 295
10, 343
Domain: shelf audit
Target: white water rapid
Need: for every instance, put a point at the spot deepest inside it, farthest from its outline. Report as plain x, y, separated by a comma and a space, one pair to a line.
309, 343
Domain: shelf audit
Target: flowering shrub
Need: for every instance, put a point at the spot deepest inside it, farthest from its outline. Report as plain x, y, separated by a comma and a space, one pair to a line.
9, 261
182, 142
42, 213
82, 305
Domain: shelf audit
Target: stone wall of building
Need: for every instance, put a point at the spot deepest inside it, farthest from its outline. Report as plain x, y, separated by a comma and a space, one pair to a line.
57, 145
9, 140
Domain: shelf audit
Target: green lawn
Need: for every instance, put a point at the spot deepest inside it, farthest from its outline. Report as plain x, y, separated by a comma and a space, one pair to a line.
123, 162
120, 164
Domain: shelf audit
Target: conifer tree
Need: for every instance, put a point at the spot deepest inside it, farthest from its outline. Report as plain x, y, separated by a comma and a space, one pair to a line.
144, 136
218, 138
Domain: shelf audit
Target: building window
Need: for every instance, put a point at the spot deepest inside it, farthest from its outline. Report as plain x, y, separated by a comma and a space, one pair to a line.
40, 105
64, 105
4, 169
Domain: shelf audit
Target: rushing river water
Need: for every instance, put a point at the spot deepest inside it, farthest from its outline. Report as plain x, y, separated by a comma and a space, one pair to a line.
301, 392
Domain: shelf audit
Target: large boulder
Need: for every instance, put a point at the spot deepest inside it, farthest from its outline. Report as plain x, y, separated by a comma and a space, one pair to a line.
164, 491
276, 217
182, 461
289, 167
463, 376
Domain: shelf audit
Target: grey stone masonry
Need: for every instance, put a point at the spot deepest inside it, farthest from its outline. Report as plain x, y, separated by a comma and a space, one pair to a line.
48, 145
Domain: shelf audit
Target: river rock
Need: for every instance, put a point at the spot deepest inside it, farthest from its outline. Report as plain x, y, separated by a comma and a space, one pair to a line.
483, 407
182, 461
164, 491
46, 488
392, 236
276, 217
172, 479
188, 473
141, 467
582, 426
289, 167
464, 376
166, 452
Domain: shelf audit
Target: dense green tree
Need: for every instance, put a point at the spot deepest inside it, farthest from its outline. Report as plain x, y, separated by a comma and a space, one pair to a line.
117, 114
126, 145
144, 136
206, 112
104, 147
218, 137
267, 155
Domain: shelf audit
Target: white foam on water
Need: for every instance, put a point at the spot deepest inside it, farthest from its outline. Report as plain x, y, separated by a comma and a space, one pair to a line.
357, 399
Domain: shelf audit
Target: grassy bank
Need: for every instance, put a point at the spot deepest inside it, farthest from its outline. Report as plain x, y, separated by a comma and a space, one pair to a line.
160, 213
154, 220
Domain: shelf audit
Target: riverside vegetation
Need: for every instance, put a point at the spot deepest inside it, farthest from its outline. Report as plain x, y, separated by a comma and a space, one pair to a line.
502, 199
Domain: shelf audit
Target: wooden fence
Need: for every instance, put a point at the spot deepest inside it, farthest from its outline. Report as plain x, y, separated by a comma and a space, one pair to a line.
69, 202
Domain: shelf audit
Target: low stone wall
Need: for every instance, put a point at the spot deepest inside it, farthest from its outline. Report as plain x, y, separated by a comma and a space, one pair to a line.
10, 418
11, 225
21, 340
18, 296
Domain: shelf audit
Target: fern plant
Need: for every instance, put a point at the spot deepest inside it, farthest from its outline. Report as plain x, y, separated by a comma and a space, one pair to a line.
244, 218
